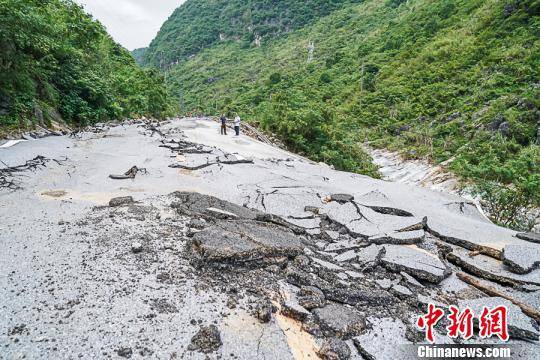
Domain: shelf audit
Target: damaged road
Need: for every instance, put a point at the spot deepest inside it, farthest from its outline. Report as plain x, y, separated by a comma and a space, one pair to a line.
228, 247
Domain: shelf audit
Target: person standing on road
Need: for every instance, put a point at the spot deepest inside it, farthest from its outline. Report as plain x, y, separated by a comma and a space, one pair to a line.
223, 120
237, 125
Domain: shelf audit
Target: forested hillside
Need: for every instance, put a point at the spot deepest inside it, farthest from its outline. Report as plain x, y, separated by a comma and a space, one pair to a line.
197, 25
453, 80
56, 62
138, 54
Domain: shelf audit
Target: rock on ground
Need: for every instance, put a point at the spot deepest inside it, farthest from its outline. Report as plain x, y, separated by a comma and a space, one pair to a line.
207, 340
334, 349
121, 201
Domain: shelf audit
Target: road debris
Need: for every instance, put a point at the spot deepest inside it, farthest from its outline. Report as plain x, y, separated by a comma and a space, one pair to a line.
121, 201
207, 340
130, 174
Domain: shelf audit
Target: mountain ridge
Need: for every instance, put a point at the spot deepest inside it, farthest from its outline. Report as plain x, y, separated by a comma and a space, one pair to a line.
197, 25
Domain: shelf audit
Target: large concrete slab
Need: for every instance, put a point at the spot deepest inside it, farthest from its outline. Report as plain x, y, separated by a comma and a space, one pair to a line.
491, 269
416, 262
521, 259
244, 241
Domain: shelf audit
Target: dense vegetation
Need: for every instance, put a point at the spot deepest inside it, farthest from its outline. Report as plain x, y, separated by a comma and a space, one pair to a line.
56, 62
198, 24
447, 80
138, 54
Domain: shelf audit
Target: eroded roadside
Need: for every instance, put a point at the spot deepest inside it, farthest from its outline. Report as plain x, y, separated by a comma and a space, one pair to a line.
223, 255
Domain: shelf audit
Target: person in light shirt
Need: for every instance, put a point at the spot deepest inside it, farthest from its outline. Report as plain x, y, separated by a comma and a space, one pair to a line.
237, 124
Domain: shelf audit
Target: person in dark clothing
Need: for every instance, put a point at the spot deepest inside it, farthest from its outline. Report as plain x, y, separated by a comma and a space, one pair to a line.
223, 120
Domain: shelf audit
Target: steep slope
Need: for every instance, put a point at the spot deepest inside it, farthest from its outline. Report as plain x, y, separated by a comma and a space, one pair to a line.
197, 25
448, 80
56, 61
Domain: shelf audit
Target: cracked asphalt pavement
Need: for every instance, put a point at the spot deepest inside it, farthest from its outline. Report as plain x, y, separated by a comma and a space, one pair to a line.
225, 247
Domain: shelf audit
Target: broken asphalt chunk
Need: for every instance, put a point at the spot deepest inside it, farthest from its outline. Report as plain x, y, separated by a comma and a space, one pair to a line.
491, 269
334, 349
409, 279
243, 241
311, 297
311, 302
325, 264
532, 237
293, 310
299, 277
263, 310
191, 203
399, 238
521, 259
401, 291
370, 255
340, 320
416, 262
346, 256
341, 198
384, 341
467, 237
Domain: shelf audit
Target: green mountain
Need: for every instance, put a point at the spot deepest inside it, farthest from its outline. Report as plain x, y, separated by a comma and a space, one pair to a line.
138, 54
454, 81
197, 25
57, 62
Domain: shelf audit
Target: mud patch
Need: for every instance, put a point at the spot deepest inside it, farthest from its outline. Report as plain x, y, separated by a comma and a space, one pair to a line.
54, 193
301, 343
96, 198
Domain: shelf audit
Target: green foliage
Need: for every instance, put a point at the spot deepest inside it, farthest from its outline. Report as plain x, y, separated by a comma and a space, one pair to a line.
275, 78
197, 24
55, 57
447, 80
138, 55
325, 78
509, 206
